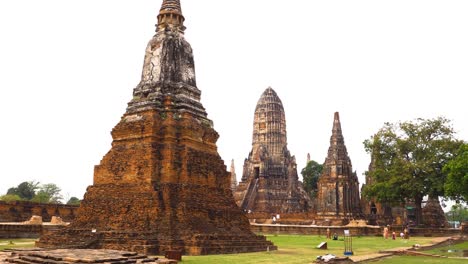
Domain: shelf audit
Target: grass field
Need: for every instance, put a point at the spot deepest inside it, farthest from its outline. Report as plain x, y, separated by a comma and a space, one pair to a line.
457, 250
16, 243
296, 249
301, 249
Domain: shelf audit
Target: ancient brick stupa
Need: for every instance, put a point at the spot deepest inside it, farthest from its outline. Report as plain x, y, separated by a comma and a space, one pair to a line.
163, 185
338, 186
269, 182
432, 213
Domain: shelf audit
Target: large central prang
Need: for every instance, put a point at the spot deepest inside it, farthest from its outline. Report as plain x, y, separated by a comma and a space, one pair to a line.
269, 182
163, 185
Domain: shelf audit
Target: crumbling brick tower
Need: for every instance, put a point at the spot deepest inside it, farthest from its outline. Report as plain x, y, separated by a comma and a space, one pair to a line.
269, 181
163, 185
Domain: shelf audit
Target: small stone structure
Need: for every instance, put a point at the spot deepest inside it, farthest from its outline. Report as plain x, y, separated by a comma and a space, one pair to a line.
56, 220
35, 220
269, 181
338, 198
163, 185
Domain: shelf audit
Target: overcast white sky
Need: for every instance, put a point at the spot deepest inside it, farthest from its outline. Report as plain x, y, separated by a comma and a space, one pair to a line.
68, 68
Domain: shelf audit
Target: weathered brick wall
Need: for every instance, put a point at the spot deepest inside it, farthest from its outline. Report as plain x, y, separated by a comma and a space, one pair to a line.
355, 231
435, 232
313, 230
19, 231
20, 211
285, 218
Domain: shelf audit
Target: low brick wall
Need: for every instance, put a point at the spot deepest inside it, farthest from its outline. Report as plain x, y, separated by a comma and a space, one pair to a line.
313, 230
285, 218
19, 231
435, 232
20, 211
354, 230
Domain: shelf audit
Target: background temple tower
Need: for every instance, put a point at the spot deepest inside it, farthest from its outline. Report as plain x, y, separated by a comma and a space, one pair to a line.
338, 186
163, 185
233, 177
269, 180
379, 213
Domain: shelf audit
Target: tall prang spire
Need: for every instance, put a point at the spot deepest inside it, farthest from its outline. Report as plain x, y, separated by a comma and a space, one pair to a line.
338, 195
337, 150
337, 134
336, 122
170, 16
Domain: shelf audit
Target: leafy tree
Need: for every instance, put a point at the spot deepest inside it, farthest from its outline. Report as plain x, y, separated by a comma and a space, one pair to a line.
25, 190
41, 197
10, 198
456, 186
74, 201
408, 160
48, 193
310, 175
458, 212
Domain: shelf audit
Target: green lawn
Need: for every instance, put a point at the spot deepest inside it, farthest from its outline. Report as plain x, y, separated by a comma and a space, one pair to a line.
17, 243
420, 260
295, 249
456, 250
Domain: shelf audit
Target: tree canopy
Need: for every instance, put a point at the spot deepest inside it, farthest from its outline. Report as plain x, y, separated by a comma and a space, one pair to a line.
457, 175
74, 201
310, 175
408, 160
34, 192
25, 190
458, 212
10, 198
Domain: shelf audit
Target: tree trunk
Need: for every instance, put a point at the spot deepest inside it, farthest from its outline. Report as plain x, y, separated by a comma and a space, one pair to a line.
418, 209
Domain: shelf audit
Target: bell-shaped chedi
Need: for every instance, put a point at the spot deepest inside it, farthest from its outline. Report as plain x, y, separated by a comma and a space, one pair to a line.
163, 185
269, 182
338, 186
433, 214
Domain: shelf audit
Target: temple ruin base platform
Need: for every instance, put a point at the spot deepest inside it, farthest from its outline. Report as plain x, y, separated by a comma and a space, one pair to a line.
153, 244
65, 256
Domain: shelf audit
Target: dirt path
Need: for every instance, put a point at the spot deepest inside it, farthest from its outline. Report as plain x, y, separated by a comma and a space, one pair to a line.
389, 252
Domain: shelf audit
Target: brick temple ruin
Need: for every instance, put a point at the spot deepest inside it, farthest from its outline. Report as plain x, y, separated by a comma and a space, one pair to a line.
338, 199
378, 213
269, 181
163, 185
